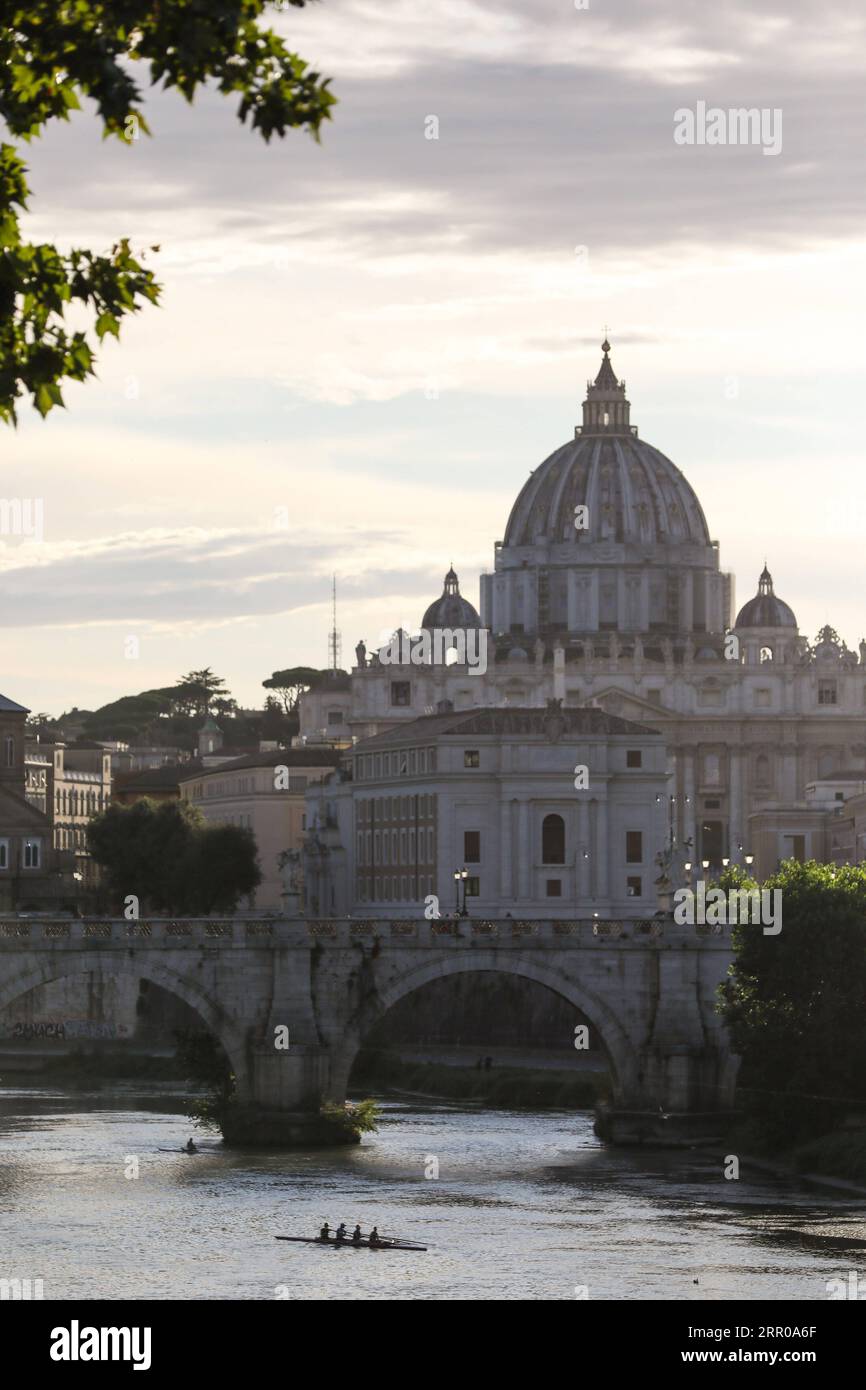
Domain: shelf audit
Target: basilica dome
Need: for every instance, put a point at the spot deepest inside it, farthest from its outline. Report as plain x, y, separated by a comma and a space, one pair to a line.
451, 609
765, 610
631, 492
606, 535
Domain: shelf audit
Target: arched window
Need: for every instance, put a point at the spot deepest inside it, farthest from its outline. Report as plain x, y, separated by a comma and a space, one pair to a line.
9, 751
762, 770
766, 654
553, 840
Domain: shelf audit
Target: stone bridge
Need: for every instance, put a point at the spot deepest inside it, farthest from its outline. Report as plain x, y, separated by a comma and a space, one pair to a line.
647, 989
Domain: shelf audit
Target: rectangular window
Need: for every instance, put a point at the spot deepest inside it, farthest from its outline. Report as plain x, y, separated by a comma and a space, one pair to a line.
401, 693
634, 847
826, 692
633, 757
633, 888
4, 854
471, 758
473, 888
335, 716
762, 697
472, 846
796, 847
553, 888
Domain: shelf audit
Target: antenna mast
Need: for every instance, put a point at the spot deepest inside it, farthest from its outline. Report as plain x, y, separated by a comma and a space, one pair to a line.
334, 641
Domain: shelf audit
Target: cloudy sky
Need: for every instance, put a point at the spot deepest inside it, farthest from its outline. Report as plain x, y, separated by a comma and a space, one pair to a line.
364, 346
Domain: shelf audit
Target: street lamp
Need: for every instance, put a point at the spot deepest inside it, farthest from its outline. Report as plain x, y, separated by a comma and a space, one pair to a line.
750, 859
456, 892
464, 874
725, 863
705, 864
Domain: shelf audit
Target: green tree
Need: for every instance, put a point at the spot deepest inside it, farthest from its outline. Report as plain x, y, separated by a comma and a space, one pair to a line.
198, 690
53, 53
291, 684
168, 857
794, 1002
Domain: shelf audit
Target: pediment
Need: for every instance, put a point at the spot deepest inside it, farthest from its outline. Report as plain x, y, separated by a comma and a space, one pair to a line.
627, 705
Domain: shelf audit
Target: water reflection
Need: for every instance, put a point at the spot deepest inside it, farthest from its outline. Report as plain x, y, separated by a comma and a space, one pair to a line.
525, 1206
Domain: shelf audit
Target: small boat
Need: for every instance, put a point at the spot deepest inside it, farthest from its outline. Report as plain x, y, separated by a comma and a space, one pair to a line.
190, 1152
383, 1244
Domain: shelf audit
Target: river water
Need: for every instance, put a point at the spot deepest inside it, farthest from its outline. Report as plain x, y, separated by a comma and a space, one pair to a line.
525, 1206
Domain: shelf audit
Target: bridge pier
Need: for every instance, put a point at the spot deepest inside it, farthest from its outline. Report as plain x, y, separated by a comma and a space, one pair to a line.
292, 1001
281, 1104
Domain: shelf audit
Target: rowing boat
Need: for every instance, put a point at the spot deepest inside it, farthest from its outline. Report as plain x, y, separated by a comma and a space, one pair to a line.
383, 1244
191, 1153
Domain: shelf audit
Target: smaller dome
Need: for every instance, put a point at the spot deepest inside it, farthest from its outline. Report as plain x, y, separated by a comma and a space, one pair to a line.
451, 610
765, 610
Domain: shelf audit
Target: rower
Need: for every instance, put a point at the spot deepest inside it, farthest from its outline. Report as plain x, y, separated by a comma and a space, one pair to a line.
191, 1148
374, 1236
356, 1235
325, 1233
341, 1231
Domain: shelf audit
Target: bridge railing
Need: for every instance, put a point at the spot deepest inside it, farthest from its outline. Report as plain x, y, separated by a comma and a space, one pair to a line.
341, 931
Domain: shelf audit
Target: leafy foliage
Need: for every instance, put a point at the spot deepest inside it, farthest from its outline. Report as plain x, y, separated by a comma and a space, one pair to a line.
171, 859
355, 1118
205, 1064
794, 1002
291, 684
53, 53
197, 691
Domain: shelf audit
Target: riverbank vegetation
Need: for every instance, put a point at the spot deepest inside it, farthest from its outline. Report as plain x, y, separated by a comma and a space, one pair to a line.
794, 1005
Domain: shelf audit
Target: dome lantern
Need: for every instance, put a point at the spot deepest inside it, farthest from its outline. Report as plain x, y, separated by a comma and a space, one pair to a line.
606, 410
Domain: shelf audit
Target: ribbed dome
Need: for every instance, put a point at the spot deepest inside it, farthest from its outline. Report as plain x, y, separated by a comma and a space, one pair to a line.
765, 610
631, 491
451, 609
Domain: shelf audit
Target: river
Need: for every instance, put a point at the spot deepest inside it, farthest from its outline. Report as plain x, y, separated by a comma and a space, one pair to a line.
525, 1206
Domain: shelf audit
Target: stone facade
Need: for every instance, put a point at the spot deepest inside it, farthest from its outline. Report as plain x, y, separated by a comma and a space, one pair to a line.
630, 612
251, 792
557, 813
647, 989
34, 874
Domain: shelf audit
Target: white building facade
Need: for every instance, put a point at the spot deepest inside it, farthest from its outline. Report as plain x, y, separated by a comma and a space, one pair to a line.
607, 592
540, 812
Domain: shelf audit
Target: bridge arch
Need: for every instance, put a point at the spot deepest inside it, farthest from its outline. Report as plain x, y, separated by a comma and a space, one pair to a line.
56, 965
620, 1049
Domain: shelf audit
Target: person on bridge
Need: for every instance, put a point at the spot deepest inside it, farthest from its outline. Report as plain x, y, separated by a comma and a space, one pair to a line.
356, 1235
341, 1231
325, 1233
